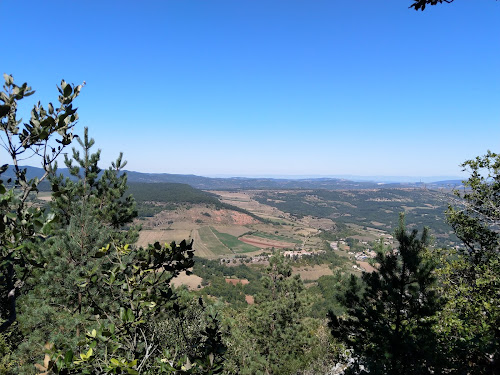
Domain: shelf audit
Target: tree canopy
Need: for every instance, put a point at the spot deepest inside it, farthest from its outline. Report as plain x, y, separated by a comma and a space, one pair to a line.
390, 313
470, 277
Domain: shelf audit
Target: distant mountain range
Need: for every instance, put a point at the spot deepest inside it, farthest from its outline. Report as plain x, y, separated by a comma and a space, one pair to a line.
224, 183
355, 178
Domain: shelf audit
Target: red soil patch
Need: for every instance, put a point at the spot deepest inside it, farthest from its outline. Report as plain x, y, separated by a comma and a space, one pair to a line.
250, 300
237, 281
242, 219
233, 217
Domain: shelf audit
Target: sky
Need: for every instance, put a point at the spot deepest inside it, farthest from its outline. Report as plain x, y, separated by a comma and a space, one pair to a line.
274, 87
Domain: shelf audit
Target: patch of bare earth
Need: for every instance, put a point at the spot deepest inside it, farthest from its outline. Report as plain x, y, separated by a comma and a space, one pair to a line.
366, 266
245, 201
313, 272
250, 300
191, 281
162, 236
196, 214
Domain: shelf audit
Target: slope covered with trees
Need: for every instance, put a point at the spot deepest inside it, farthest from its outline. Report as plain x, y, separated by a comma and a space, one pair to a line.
73, 287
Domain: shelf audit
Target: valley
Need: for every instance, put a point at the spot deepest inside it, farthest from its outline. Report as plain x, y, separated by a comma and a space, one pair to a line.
236, 227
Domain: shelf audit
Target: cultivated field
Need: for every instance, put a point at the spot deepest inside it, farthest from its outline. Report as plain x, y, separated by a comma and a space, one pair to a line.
313, 272
233, 230
191, 281
266, 243
200, 248
163, 236
275, 237
212, 243
233, 243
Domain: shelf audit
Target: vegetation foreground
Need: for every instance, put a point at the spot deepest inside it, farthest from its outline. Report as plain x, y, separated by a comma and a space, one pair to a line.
78, 296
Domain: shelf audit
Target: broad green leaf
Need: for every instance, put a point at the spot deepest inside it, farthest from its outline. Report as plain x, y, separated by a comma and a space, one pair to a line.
130, 315
68, 357
115, 362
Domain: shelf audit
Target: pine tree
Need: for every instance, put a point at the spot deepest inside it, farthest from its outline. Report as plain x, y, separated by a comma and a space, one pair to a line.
58, 304
390, 313
102, 192
470, 276
274, 335
91, 210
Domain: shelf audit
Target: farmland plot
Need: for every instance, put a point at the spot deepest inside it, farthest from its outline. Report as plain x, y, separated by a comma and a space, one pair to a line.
266, 243
234, 243
200, 248
233, 230
313, 272
162, 236
211, 242
274, 237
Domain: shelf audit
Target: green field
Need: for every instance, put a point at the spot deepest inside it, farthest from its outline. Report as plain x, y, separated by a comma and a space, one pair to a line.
234, 243
270, 236
211, 241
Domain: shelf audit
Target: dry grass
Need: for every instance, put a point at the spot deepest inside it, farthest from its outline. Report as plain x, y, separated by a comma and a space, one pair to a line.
191, 281
366, 266
162, 236
245, 200
313, 272
233, 230
264, 242
201, 249
194, 216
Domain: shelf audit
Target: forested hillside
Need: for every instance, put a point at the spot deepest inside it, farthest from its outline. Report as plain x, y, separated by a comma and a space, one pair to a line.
376, 208
153, 198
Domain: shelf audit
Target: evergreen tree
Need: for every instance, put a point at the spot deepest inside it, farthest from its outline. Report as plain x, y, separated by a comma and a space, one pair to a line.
274, 336
49, 131
102, 192
58, 303
91, 210
469, 323
390, 313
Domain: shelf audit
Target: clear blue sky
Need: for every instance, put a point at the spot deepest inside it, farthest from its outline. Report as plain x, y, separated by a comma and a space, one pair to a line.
254, 87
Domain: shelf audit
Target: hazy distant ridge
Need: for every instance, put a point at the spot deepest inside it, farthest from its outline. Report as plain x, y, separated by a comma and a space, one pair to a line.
213, 183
